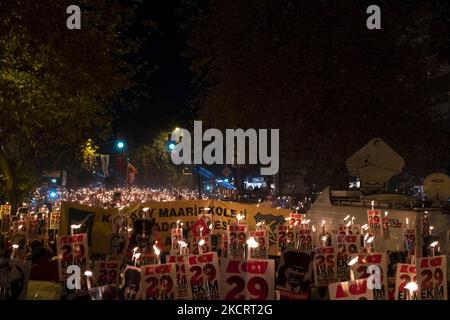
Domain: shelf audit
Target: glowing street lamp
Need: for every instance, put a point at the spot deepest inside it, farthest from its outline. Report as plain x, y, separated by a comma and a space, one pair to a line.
120, 145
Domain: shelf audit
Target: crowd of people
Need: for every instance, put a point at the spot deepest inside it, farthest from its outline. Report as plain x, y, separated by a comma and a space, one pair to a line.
118, 196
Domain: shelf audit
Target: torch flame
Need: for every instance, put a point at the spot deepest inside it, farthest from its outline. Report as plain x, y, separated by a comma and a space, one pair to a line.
353, 261
88, 273
434, 244
252, 243
411, 286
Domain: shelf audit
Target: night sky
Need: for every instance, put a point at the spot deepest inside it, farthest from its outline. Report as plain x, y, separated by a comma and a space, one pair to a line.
168, 87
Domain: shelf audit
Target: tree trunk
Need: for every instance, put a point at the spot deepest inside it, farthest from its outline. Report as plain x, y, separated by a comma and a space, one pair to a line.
6, 170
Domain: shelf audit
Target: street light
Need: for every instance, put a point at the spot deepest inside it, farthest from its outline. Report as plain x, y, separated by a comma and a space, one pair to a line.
120, 145
53, 194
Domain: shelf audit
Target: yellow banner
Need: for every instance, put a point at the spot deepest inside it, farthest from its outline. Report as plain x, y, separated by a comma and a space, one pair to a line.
98, 222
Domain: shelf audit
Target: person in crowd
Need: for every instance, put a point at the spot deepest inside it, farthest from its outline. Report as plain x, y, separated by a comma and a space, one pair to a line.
43, 267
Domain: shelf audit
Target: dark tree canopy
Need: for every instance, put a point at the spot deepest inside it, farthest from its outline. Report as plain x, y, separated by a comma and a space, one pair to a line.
56, 84
313, 69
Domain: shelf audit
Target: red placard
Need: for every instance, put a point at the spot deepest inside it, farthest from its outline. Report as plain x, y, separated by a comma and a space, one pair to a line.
353, 229
5, 209
159, 282
346, 245
106, 272
176, 235
247, 279
295, 219
409, 240
183, 284
350, 290
394, 258
281, 237
224, 253
204, 276
206, 247
404, 275
375, 223
72, 250
261, 251
324, 267
55, 218
342, 230
432, 278
237, 237
359, 270
305, 240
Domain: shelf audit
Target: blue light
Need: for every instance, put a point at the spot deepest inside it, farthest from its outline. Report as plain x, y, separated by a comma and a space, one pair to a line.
53, 180
172, 146
120, 145
53, 194
208, 188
